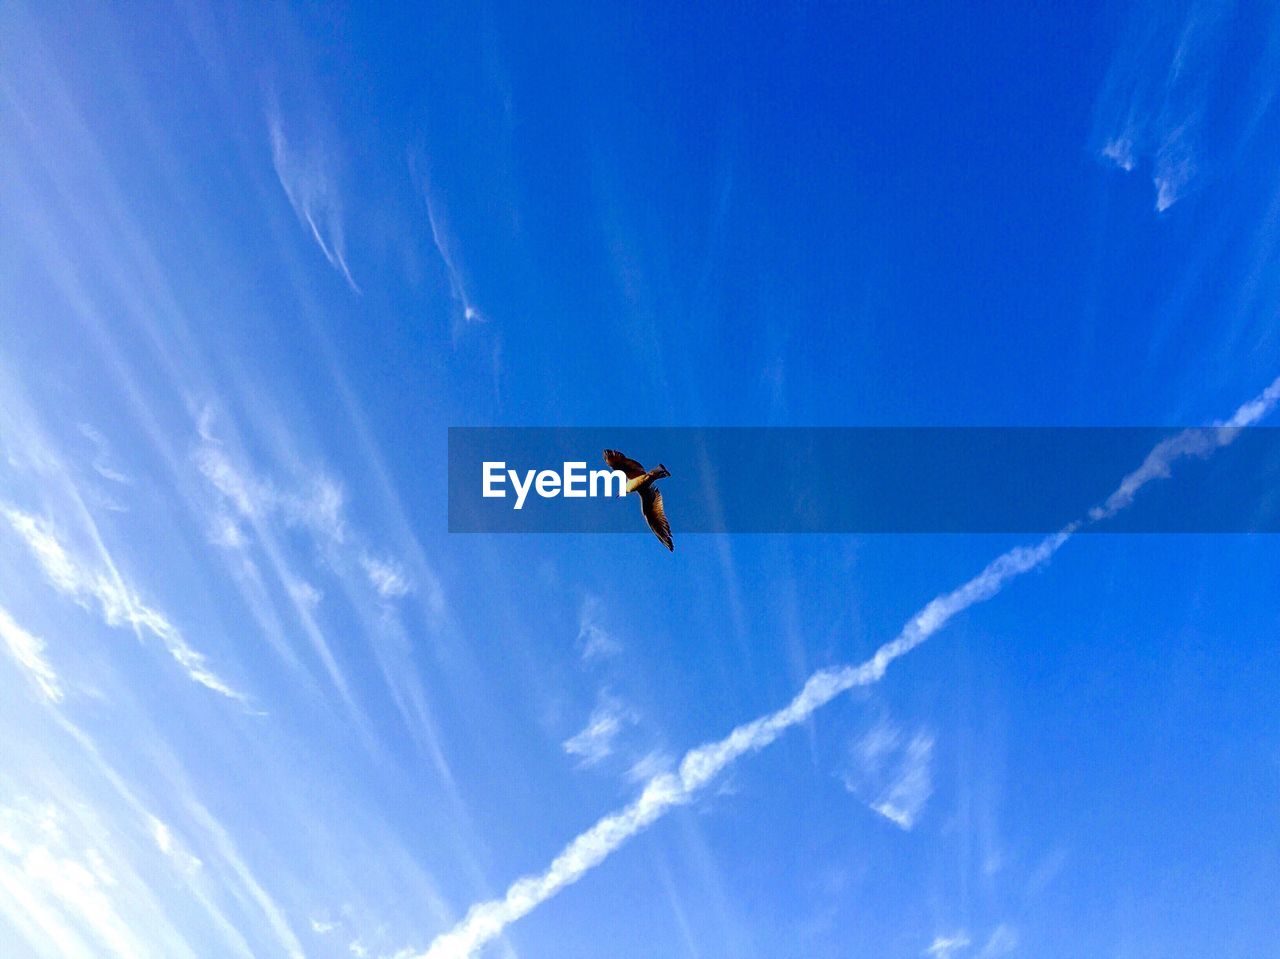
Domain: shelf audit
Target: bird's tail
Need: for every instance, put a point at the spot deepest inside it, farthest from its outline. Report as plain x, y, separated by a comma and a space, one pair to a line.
661, 472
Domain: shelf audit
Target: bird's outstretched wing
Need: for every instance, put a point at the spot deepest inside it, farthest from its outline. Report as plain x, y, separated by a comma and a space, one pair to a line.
617, 461
656, 516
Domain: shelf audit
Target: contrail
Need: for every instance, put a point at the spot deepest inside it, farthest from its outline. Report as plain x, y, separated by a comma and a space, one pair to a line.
486, 921
1199, 442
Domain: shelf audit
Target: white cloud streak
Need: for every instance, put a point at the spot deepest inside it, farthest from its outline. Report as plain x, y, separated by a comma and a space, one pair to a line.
443, 240
1159, 88
894, 773
64, 891
1195, 442
944, 946
596, 641
118, 604
595, 742
316, 506
386, 577
307, 179
102, 458
486, 920
1002, 941
271, 911
261, 504
649, 765
257, 501
313, 502
169, 845
28, 652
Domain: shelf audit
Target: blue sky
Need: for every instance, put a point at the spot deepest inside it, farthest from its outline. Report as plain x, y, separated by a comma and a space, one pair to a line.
256, 701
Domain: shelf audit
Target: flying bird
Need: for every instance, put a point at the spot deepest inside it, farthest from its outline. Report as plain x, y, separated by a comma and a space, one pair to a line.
644, 482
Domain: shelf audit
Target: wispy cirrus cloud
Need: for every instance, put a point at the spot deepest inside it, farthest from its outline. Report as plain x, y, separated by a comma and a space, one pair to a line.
322, 927
28, 652
595, 641
307, 172
315, 504
651, 764
67, 890
1152, 103
311, 500
485, 921
443, 239
700, 766
1157, 103
276, 918
264, 502
943, 947
892, 773
103, 462
1002, 941
596, 740
116, 601
386, 577
168, 844
247, 499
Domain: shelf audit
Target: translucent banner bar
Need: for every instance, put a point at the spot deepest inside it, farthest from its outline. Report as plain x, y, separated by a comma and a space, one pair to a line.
869, 480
